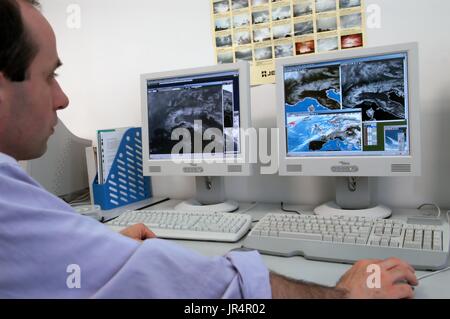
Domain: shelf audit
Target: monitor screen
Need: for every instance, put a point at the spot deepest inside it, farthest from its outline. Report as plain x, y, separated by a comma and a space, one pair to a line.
348, 107
199, 103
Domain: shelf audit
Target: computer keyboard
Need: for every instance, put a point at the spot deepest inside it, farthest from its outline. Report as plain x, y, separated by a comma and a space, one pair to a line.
348, 239
223, 227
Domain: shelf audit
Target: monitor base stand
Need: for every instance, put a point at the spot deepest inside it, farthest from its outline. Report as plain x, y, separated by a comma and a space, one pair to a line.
332, 209
194, 205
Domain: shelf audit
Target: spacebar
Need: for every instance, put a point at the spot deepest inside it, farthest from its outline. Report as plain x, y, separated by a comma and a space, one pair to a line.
300, 235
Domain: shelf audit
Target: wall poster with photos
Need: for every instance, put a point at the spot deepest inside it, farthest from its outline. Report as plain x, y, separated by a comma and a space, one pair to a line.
260, 31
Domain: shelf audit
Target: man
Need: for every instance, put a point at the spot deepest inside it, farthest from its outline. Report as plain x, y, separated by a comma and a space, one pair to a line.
42, 238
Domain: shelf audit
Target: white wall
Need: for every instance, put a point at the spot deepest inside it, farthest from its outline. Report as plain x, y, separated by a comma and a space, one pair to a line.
120, 39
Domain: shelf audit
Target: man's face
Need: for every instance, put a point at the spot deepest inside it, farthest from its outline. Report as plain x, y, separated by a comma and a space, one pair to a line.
28, 108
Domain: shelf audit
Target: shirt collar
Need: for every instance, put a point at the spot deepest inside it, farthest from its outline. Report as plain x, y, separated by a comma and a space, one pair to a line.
7, 159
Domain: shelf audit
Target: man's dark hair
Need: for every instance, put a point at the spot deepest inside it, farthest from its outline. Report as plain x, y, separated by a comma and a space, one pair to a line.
17, 49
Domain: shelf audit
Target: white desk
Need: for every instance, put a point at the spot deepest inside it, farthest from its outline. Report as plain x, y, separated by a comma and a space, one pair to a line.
325, 273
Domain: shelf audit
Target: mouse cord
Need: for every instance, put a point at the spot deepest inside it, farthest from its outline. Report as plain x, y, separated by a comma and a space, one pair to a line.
289, 210
433, 273
435, 206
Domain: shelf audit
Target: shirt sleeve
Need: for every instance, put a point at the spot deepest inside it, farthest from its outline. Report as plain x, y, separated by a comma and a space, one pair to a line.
41, 237
162, 269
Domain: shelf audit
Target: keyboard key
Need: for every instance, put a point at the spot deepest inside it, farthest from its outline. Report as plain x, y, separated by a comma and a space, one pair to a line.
384, 242
256, 232
308, 236
394, 244
412, 244
338, 239
350, 240
361, 240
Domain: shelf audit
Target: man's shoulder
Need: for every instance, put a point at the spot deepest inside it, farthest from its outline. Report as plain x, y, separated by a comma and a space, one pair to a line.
18, 187
12, 171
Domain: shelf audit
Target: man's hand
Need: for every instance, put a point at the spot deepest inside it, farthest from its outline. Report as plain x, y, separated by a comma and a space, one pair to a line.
397, 279
138, 232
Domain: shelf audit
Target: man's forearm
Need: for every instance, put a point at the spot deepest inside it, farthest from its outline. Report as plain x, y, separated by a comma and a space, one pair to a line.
283, 287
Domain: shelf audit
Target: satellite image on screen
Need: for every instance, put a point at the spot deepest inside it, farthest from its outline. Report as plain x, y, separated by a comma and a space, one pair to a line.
312, 90
376, 87
228, 105
324, 132
395, 138
169, 110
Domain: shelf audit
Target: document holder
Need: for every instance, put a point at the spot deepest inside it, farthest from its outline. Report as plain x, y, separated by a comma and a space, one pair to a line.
125, 183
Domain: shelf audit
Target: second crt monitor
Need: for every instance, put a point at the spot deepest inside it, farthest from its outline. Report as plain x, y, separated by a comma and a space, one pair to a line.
192, 125
350, 114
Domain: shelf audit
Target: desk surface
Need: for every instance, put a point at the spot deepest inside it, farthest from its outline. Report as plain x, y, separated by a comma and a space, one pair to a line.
325, 273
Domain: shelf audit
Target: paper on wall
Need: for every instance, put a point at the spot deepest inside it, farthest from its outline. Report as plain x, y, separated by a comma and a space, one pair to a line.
260, 31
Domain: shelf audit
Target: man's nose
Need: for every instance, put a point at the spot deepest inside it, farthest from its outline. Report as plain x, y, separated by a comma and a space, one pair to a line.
61, 100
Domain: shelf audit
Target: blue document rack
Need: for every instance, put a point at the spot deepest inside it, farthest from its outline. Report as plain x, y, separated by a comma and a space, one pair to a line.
125, 183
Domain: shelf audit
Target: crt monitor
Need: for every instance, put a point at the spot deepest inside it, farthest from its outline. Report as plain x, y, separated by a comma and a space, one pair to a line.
350, 114
193, 124
62, 170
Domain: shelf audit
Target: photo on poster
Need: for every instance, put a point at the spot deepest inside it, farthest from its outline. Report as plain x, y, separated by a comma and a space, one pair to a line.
259, 2
282, 31
303, 28
327, 44
284, 50
224, 41
305, 47
260, 35
242, 37
225, 57
264, 53
351, 21
221, 7
303, 8
239, 4
313, 90
344, 4
325, 5
352, 41
223, 24
241, 20
261, 17
281, 13
327, 24
244, 54
365, 86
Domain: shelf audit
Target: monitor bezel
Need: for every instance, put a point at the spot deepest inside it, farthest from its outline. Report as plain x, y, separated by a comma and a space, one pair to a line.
374, 165
234, 166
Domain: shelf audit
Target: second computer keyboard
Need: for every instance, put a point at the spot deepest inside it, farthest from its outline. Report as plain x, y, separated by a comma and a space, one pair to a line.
223, 227
348, 239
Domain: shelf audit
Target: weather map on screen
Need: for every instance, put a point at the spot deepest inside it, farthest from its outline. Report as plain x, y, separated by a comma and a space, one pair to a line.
353, 107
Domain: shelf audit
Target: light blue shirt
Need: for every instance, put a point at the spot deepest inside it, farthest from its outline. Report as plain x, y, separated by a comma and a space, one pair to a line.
41, 236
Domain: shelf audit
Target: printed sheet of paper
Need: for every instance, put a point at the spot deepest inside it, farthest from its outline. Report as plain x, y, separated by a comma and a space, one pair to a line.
108, 144
260, 31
